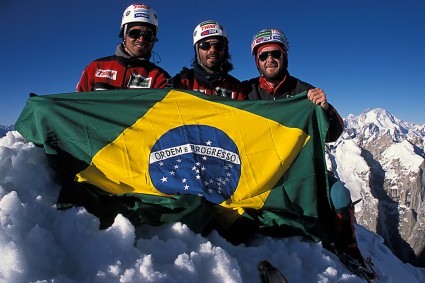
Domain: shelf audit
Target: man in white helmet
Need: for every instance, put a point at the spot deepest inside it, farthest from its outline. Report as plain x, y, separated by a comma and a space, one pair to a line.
210, 68
129, 67
270, 47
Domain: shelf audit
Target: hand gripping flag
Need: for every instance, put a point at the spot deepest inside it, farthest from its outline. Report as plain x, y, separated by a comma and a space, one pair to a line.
184, 156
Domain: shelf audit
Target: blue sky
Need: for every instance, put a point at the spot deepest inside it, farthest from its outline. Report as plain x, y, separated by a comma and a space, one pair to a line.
364, 54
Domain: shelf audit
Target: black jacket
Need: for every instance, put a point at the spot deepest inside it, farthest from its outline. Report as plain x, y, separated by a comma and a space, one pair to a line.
292, 86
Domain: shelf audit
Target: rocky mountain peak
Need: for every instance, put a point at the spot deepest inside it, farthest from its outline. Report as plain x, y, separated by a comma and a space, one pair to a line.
381, 160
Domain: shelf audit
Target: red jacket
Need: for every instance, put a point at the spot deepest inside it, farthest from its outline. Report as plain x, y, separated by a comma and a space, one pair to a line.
120, 71
222, 85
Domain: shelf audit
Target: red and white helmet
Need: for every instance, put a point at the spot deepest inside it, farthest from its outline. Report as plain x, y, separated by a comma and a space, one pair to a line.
269, 36
208, 29
139, 13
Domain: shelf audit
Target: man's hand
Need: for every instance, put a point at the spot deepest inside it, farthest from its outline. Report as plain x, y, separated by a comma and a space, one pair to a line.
318, 96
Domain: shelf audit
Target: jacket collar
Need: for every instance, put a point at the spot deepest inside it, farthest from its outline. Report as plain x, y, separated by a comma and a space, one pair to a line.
125, 59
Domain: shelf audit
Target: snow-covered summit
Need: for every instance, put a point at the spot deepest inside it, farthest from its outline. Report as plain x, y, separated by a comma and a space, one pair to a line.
371, 124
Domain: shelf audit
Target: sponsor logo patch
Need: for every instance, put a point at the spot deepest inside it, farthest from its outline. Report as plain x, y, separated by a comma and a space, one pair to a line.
211, 31
209, 26
141, 6
138, 81
141, 15
110, 74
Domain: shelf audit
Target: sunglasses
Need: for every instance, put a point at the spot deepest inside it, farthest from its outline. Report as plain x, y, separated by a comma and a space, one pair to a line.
276, 54
206, 45
136, 33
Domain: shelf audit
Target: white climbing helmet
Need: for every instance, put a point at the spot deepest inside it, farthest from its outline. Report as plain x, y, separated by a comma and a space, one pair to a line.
139, 13
269, 36
208, 29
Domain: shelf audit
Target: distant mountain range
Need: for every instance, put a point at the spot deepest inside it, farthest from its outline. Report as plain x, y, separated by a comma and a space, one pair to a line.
381, 160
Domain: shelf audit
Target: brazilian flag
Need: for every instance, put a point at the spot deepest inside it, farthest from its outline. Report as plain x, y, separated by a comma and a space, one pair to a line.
160, 155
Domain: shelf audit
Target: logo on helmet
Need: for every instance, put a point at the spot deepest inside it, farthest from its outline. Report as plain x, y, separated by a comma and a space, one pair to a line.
209, 26
267, 38
210, 31
144, 7
141, 15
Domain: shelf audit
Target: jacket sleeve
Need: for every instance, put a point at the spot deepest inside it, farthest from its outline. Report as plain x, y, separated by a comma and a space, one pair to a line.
177, 82
182, 79
84, 84
240, 93
336, 124
163, 80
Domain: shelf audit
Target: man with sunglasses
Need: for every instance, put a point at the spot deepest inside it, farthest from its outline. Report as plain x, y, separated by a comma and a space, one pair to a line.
270, 47
130, 66
211, 65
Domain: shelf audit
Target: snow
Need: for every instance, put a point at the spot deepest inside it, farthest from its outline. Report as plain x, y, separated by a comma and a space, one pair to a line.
405, 154
384, 120
39, 243
401, 157
377, 122
380, 117
355, 171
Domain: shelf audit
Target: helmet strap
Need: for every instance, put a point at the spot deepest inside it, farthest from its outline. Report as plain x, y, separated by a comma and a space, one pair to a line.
124, 32
198, 60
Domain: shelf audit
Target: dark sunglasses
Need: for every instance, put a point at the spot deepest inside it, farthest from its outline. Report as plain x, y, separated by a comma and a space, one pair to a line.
276, 54
136, 33
206, 45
